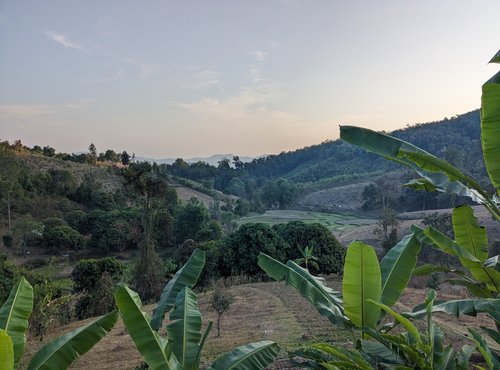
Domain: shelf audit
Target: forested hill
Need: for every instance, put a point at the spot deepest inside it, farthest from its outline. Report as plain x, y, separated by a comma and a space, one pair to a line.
456, 139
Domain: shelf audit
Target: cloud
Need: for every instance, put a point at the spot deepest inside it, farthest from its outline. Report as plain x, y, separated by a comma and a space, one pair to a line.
63, 40
259, 55
15, 112
80, 104
199, 78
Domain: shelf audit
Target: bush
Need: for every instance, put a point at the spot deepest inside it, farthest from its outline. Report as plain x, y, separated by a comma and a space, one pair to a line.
61, 238
8, 241
299, 235
241, 249
96, 279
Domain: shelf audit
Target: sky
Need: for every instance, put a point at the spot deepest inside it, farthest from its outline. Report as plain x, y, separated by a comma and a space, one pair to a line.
195, 78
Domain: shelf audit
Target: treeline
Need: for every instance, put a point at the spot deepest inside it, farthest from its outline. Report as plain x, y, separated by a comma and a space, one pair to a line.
275, 181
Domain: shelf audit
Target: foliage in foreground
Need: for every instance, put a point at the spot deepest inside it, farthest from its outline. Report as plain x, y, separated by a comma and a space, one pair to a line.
366, 292
182, 347
57, 354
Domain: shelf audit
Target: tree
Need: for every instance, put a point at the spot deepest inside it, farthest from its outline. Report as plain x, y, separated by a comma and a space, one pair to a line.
61, 238
148, 274
92, 155
125, 158
190, 220
9, 181
242, 247
111, 156
220, 303
308, 258
299, 235
95, 280
387, 222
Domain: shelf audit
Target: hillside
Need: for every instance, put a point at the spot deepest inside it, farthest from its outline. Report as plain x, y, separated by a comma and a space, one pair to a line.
336, 158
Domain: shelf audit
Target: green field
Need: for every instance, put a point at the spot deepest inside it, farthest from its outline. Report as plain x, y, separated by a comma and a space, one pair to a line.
333, 221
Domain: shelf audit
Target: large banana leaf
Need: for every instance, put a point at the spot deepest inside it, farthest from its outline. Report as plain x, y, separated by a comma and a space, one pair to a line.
353, 359
443, 176
485, 350
6, 351
187, 276
496, 58
469, 307
324, 299
396, 268
253, 356
62, 351
468, 233
15, 313
184, 329
490, 126
493, 262
148, 342
483, 274
412, 329
361, 282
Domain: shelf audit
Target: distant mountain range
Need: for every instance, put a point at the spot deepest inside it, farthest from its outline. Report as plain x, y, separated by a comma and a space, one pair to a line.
212, 160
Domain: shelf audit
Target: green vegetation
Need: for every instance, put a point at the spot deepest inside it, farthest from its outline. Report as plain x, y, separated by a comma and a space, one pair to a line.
333, 221
184, 343
59, 353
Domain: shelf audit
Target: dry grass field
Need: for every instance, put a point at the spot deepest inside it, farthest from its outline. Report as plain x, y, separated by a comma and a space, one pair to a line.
260, 311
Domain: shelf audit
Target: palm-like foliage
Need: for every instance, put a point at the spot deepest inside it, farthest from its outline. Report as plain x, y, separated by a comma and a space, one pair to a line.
59, 353
181, 348
308, 258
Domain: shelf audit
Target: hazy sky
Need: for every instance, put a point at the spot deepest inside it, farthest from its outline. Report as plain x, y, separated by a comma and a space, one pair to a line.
194, 78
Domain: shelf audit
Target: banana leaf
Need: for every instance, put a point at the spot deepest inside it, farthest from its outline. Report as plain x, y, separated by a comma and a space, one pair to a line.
353, 358
468, 233
490, 127
429, 268
15, 313
474, 288
324, 299
412, 329
443, 176
483, 274
396, 268
148, 342
187, 276
184, 329
485, 350
62, 351
469, 307
362, 282
493, 262
496, 58
6, 351
494, 334
464, 355
253, 356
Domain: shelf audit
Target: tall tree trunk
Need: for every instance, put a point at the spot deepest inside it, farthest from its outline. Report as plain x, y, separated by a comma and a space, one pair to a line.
8, 214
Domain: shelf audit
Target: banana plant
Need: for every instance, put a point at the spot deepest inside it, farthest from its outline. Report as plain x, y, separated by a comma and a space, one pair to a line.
57, 354
181, 348
481, 275
364, 278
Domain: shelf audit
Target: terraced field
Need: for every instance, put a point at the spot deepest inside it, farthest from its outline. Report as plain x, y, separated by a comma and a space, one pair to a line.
335, 222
